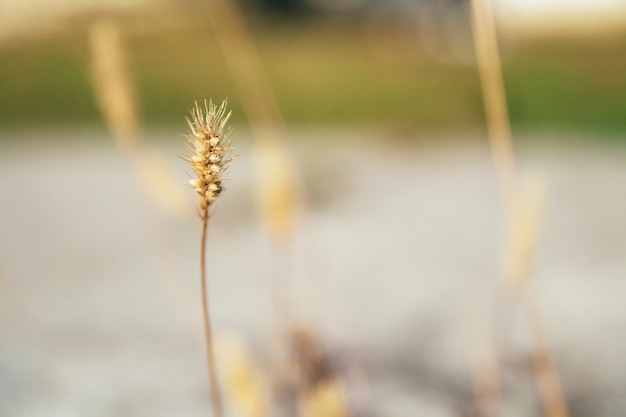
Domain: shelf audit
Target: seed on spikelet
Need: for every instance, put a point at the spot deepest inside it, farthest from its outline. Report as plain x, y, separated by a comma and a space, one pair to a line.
209, 144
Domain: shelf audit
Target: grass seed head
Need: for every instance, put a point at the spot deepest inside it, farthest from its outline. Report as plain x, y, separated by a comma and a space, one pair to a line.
209, 144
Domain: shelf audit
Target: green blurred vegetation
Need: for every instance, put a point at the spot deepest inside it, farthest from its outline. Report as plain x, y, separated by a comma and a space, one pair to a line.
338, 76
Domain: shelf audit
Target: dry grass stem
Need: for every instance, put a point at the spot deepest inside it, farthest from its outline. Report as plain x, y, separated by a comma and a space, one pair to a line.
543, 364
245, 65
112, 84
494, 98
528, 209
487, 379
527, 212
278, 188
522, 214
209, 145
116, 99
485, 373
278, 184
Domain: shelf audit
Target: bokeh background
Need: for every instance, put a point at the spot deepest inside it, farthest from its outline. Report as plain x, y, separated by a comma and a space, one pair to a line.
401, 65
368, 114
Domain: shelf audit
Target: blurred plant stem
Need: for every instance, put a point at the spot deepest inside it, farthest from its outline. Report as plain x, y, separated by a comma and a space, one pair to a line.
114, 92
115, 95
528, 209
277, 178
277, 185
494, 98
522, 214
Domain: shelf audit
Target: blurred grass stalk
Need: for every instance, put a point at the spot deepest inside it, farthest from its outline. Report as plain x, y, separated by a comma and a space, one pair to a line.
280, 194
117, 102
486, 381
277, 183
112, 85
523, 212
494, 99
527, 215
486, 374
278, 188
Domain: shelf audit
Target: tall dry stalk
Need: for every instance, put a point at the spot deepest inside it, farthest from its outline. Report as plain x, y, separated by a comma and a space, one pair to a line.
114, 92
487, 379
281, 198
485, 375
116, 98
279, 192
112, 84
526, 219
277, 184
523, 237
494, 98
209, 145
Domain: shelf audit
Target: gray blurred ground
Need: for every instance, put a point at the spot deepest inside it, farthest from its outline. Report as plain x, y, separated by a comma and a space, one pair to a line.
402, 247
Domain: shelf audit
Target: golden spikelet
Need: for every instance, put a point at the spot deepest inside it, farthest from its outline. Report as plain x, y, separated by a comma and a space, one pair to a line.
326, 400
209, 144
244, 382
278, 192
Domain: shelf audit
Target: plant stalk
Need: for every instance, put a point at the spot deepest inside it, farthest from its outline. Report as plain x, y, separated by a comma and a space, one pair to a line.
216, 399
543, 363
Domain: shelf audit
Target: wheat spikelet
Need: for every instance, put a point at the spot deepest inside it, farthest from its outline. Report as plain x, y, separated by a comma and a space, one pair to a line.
210, 148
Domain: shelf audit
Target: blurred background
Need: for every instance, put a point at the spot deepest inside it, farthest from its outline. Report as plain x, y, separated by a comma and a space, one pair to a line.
364, 261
